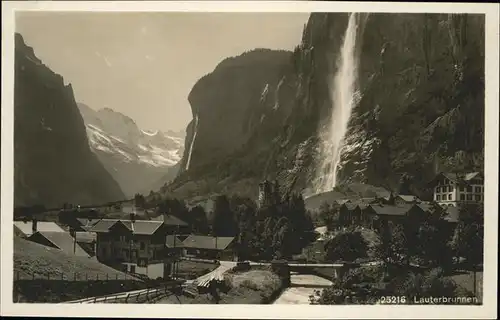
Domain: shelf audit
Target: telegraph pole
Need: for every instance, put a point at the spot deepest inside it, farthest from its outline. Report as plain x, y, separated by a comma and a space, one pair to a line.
72, 232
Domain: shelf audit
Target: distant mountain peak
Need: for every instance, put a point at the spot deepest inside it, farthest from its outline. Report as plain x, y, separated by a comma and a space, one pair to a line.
135, 157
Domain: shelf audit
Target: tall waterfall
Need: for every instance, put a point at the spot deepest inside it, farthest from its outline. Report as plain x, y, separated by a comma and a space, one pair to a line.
188, 162
344, 96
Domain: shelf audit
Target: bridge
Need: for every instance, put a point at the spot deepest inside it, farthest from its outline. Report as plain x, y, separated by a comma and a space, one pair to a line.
205, 280
286, 266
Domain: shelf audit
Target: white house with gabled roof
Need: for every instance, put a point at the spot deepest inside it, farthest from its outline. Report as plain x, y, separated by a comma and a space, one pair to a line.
452, 189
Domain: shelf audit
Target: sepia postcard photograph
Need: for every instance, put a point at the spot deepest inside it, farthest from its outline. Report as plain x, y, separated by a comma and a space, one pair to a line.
249, 159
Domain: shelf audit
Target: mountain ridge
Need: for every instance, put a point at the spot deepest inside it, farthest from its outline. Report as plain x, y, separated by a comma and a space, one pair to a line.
138, 159
53, 164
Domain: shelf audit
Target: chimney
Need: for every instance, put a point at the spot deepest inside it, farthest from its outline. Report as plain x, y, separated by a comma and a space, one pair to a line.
34, 225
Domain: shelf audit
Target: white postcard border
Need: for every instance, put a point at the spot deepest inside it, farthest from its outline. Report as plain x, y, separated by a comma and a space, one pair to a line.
487, 310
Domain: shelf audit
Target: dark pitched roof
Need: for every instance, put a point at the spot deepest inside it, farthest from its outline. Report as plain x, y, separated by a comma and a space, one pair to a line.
103, 225
351, 206
143, 226
174, 242
342, 201
408, 198
170, 220
464, 177
86, 237
147, 227
207, 242
363, 205
425, 207
86, 224
391, 210
63, 241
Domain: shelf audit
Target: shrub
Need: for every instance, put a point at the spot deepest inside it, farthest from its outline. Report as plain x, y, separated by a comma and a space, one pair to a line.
347, 246
429, 284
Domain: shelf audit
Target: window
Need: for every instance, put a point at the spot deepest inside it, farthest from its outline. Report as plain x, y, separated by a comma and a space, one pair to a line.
462, 188
451, 189
462, 196
438, 189
142, 262
469, 197
444, 189
143, 245
449, 196
477, 197
469, 189
477, 189
122, 238
132, 269
438, 197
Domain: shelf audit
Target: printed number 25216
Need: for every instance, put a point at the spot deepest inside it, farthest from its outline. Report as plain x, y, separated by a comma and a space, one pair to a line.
392, 300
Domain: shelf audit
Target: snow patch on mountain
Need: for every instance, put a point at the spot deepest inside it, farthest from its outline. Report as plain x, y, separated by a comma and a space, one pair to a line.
151, 134
117, 135
145, 152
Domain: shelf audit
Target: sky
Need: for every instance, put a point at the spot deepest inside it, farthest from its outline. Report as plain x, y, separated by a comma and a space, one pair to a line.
144, 64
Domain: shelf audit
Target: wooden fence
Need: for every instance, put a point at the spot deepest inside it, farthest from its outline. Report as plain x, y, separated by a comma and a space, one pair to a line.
75, 276
149, 295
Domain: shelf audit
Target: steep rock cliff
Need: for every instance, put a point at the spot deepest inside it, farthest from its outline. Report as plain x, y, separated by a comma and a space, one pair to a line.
52, 158
421, 108
229, 106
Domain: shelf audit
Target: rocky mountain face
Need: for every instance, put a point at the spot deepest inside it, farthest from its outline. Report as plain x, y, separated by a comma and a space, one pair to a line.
228, 104
139, 160
52, 159
421, 108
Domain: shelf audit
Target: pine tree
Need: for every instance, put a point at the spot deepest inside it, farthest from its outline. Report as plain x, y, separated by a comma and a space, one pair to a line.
224, 222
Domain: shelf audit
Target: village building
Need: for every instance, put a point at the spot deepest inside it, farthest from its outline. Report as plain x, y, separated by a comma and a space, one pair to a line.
137, 246
26, 228
179, 227
174, 250
84, 224
87, 240
268, 193
59, 240
379, 215
75, 218
208, 247
349, 214
453, 189
403, 199
398, 199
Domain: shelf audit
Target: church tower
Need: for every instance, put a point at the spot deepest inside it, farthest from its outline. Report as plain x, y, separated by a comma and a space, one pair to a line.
265, 193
